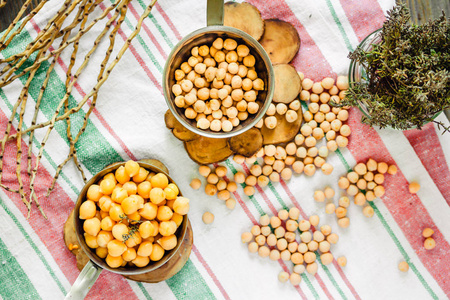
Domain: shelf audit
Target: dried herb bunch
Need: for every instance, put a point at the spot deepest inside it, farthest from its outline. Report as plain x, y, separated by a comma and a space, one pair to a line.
408, 73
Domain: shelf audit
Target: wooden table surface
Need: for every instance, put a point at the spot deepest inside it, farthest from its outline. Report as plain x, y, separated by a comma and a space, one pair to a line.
420, 10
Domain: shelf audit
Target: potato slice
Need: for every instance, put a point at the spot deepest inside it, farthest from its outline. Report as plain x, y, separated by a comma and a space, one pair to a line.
178, 130
245, 17
247, 143
287, 83
284, 132
205, 150
280, 40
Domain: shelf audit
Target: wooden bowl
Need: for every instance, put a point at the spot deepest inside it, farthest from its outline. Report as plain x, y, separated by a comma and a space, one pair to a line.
127, 270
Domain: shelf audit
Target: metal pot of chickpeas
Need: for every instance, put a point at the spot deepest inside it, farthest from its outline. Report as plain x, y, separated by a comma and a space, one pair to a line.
218, 80
129, 219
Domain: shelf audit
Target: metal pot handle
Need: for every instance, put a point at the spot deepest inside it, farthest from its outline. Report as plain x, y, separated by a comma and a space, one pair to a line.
214, 13
84, 281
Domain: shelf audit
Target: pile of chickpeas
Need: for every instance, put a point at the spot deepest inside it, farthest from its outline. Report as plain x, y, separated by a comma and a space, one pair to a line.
290, 112
131, 216
276, 237
216, 184
322, 119
301, 155
218, 85
364, 183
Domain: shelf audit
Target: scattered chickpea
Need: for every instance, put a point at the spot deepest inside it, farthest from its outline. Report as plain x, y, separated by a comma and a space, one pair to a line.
246, 237
429, 243
208, 218
196, 183
414, 187
274, 255
295, 279
312, 268
344, 222
314, 220
392, 169
341, 212
270, 122
344, 202
249, 190
427, 232
329, 193
283, 276
330, 208
403, 266
360, 169
342, 261
368, 211
253, 247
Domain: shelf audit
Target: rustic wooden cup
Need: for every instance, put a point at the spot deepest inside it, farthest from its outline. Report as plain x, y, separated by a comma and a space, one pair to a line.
95, 265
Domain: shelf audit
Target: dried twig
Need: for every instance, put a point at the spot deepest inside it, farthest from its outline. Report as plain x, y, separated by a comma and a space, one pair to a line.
41, 49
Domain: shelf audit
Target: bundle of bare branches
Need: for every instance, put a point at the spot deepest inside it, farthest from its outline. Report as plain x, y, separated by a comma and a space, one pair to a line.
62, 32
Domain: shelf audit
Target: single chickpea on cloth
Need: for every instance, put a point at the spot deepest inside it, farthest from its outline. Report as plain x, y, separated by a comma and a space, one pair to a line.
131, 216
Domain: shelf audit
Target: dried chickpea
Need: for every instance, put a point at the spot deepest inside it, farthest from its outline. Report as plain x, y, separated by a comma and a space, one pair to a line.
285, 255
342, 261
392, 169
309, 169
360, 199
329, 193
253, 247
344, 222
429, 243
270, 122
326, 258
242, 50
341, 141
368, 211
249, 190
342, 82
319, 196
275, 222
274, 255
361, 184
353, 177
427, 232
360, 169
312, 268
309, 257
414, 187
341, 212
372, 165
370, 196
283, 276
403, 266
249, 61
258, 84
379, 191
332, 145
330, 208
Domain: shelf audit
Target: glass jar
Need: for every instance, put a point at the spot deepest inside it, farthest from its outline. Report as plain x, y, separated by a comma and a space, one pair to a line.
357, 73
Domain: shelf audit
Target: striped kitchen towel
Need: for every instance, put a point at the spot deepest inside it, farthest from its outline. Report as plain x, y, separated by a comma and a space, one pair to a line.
128, 123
